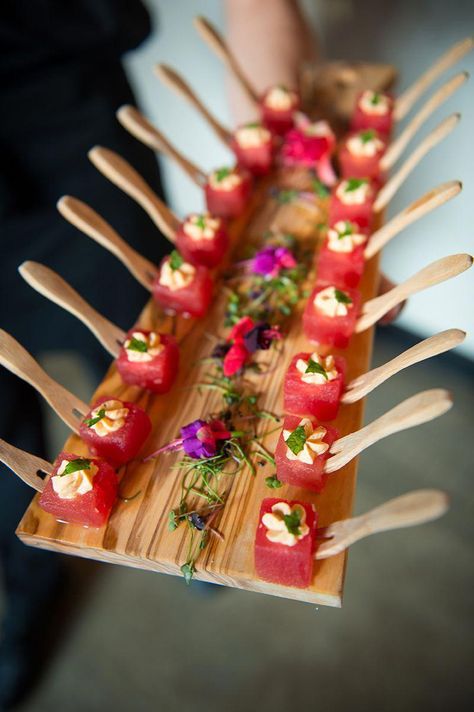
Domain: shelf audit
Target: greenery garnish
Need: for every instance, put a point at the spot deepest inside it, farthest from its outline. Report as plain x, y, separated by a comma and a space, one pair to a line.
376, 98
222, 173
319, 188
293, 522
253, 125
137, 345
354, 183
315, 367
200, 222
273, 482
342, 297
75, 465
286, 196
366, 136
297, 440
175, 260
348, 230
92, 421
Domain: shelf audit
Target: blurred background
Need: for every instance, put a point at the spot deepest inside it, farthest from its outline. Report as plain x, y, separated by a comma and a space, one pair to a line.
124, 639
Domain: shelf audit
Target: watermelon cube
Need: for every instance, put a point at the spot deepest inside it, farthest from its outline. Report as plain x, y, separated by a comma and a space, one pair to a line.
285, 542
228, 192
149, 360
183, 288
278, 105
352, 199
253, 146
80, 490
330, 315
202, 240
313, 385
115, 430
373, 110
360, 153
301, 452
341, 258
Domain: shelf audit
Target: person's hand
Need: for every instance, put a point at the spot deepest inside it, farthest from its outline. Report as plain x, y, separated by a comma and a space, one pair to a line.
385, 285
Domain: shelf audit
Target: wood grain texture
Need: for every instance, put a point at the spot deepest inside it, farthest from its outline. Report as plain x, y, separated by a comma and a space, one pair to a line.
137, 533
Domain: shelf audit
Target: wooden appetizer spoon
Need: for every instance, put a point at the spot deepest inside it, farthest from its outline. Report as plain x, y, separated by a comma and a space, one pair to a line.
434, 273
406, 100
125, 177
17, 360
387, 192
413, 212
175, 81
416, 410
396, 148
219, 46
136, 124
25, 465
93, 225
434, 345
408, 510
53, 287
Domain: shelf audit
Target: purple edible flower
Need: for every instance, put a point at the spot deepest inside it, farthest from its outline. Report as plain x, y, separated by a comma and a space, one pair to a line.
261, 337
200, 439
271, 260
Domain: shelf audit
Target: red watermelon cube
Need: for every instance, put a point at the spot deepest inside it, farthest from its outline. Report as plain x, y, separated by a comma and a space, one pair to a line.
83, 496
289, 564
149, 360
352, 199
228, 192
253, 146
202, 240
313, 385
360, 153
115, 430
278, 105
341, 258
330, 315
373, 110
183, 288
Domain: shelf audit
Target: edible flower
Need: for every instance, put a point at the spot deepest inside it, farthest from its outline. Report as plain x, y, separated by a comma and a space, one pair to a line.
246, 337
199, 439
269, 261
310, 144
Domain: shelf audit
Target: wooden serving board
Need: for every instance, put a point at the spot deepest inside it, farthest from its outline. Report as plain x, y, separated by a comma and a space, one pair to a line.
137, 534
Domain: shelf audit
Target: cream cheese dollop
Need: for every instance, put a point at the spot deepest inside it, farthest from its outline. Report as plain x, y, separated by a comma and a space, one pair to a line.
313, 446
280, 98
350, 195
177, 278
77, 483
372, 102
326, 301
327, 364
113, 419
341, 239
201, 227
277, 531
226, 183
363, 147
252, 135
152, 347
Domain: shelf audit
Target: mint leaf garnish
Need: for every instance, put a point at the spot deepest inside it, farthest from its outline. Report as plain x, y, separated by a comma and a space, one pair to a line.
253, 125
222, 173
273, 482
76, 465
376, 98
342, 297
315, 367
348, 230
293, 522
175, 260
366, 136
354, 184
92, 421
319, 188
137, 345
297, 440
200, 222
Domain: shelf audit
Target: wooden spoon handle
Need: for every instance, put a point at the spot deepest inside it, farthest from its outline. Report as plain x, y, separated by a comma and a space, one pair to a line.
413, 212
220, 47
406, 100
94, 226
429, 142
434, 345
144, 131
125, 177
176, 82
415, 410
14, 357
26, 466
408, 510
434, 273
397, 147
53, 287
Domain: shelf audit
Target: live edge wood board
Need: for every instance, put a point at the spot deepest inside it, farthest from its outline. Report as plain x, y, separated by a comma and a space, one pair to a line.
137, 533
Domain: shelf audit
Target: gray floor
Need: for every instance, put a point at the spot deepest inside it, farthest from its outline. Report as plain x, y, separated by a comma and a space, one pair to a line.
401, 642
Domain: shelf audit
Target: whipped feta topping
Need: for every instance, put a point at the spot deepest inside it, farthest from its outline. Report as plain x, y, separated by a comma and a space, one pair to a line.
304, 366
333, 302
110, 415
313, 445
202, 227
280, 98
342, 237
141, 347
277, 529
177, 278
374, 103
224, 179
252, 135
76, 483
365, 144
354, 191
